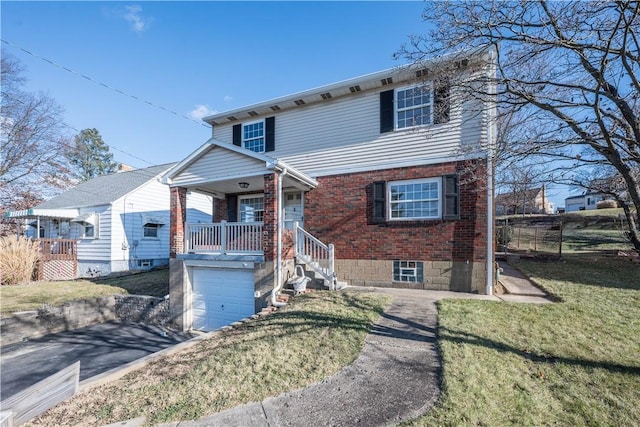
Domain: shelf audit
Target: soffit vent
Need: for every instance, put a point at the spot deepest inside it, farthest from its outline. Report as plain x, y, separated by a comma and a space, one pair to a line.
386, 81
275, 108
355, 89
299, 102
232, 118
326, 95
422, 73
253, 113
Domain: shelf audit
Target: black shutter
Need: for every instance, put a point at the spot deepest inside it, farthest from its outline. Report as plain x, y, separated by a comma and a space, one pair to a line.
270, 134
232, 208
237, 135
450, 197
386, 111
441, 103
379, 195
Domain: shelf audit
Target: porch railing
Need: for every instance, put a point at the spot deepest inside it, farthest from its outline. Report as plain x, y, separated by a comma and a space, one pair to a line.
224, 238
58, 249
316, 254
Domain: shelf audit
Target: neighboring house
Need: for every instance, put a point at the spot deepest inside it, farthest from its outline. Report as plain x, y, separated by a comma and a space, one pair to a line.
362, 181
586, 201
530, 201
108, 224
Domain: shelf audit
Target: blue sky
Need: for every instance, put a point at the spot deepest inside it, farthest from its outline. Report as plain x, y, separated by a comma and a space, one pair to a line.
193, 59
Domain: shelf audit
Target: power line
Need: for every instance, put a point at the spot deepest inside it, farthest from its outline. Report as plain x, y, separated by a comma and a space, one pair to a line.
78, 131
99, 83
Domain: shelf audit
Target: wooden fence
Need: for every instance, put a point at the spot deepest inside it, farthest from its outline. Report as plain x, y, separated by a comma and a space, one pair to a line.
33, 401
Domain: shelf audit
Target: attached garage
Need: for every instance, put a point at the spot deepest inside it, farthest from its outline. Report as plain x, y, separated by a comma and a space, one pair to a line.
221, 296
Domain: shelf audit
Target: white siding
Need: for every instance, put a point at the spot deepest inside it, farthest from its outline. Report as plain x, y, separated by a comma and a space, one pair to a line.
199, 207
344, 134
217, 164
96, 249
128, 241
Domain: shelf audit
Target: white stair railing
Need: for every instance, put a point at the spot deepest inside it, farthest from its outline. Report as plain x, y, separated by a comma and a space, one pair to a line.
315, 254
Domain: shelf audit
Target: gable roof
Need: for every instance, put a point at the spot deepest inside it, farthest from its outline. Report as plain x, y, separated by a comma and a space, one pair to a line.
105, 189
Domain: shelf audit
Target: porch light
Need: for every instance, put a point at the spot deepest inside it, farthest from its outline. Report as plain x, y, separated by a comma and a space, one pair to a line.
243, 185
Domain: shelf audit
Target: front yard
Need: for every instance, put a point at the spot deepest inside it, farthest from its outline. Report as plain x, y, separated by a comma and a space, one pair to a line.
571, 363
575, 362
33, 295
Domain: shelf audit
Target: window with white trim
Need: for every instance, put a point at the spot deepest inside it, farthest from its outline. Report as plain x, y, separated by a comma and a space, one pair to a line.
251, 208
253, 136
415, 199
413, 106
88, 231
150, 230
408, 271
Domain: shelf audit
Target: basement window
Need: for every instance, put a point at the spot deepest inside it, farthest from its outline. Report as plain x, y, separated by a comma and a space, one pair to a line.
408, 271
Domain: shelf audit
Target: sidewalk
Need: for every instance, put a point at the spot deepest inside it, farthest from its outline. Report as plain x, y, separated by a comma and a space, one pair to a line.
518, 287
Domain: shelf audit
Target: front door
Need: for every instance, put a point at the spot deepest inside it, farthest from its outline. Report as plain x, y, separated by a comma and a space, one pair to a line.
293, 209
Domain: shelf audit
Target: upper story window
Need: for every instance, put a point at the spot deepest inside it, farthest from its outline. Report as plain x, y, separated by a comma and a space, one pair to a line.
407, 107
414, 106
251, 208
417, 199
253, 136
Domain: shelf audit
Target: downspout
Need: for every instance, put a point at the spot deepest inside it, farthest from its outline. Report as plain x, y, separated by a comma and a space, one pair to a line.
278, 284
490, 149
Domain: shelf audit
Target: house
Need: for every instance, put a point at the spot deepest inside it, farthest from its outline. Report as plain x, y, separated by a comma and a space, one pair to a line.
586, 201
527, 201
380, 180
108, 224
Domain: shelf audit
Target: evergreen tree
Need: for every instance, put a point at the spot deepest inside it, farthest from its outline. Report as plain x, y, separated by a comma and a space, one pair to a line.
90, 156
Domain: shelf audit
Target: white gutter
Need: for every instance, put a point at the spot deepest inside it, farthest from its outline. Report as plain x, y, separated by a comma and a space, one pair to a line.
490, 148
278, 284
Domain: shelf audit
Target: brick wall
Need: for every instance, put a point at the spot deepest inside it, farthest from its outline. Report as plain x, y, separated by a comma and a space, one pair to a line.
178, 216
339, 211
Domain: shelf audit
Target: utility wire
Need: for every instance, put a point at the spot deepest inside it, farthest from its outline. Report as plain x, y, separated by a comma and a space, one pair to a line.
99, 83
78, 131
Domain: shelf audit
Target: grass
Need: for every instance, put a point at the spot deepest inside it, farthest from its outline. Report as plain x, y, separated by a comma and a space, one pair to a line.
311, 338
55, 293
565, 364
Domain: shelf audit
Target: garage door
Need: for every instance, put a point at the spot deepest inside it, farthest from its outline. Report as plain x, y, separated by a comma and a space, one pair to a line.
221, 296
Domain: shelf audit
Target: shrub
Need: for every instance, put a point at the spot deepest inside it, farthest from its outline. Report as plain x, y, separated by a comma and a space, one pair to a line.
606, 204
18, 258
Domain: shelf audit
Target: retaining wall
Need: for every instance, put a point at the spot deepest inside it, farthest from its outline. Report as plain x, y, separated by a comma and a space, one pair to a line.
77, 314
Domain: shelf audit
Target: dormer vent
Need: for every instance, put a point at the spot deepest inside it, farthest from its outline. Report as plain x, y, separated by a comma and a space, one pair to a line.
355, 88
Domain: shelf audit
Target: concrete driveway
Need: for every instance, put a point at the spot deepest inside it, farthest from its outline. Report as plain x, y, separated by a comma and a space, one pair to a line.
99, 348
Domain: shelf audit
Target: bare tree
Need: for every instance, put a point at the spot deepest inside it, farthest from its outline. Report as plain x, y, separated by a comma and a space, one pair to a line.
33, 141
569, 71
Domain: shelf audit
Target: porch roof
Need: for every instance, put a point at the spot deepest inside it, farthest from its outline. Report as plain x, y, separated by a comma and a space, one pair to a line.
219, 168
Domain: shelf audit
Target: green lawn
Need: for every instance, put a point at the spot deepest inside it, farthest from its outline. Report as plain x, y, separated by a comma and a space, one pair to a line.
311, 338
572, 363
55, 293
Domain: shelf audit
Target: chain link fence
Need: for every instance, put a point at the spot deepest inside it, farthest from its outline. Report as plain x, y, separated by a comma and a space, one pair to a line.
558, 234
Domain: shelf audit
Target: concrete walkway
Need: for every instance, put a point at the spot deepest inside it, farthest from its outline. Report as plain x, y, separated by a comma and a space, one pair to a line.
518, 287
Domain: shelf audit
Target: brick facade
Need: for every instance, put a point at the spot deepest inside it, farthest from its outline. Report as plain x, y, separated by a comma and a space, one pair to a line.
339, 211
178, 217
